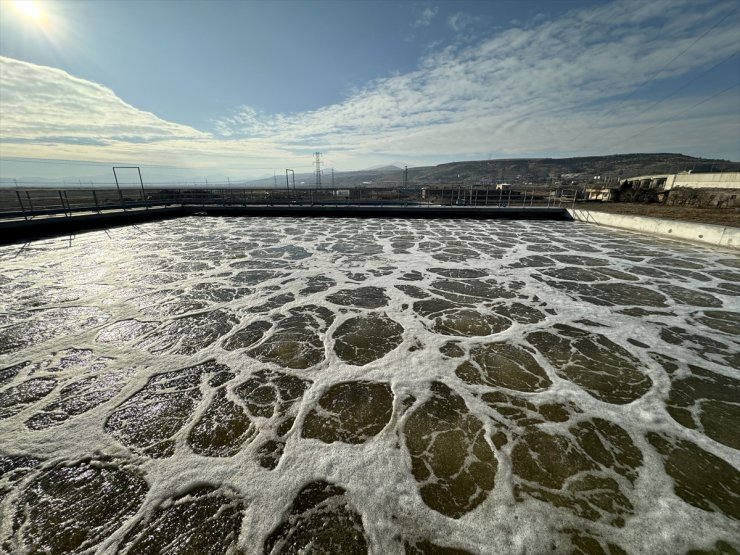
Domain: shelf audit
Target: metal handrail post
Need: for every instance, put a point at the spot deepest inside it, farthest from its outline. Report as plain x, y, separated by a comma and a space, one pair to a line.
143, 193
23, 209
30, 204
69, 206
61, 201
118, 186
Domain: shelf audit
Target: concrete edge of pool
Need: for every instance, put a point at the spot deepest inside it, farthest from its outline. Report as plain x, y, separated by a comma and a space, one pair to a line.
717, 235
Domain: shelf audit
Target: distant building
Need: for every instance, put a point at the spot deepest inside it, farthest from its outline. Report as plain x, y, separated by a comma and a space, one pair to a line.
600, 193
718, 189
666, 182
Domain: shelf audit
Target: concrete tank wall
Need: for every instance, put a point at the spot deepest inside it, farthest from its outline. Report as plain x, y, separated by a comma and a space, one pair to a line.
717, 235
727, 180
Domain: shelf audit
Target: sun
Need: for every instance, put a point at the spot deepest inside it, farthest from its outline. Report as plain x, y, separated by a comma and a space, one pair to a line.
28, 8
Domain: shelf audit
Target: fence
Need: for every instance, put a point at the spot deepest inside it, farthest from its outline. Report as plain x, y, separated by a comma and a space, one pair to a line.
47, 202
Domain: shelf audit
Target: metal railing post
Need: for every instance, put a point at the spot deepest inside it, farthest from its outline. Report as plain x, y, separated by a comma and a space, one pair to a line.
30, 204
23, 209
95, 198
143, 193
118, 186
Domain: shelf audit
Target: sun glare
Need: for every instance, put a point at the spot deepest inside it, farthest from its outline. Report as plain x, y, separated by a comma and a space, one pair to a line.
28, 8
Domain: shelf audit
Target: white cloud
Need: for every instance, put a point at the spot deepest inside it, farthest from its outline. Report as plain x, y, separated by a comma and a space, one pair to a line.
506, 93
551, 89
424, 17
460, 21
48, 113
40, 103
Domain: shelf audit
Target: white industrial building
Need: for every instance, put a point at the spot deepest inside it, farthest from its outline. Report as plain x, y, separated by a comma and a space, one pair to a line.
666, 182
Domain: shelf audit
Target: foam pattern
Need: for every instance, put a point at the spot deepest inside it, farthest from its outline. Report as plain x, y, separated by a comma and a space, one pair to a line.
248, 385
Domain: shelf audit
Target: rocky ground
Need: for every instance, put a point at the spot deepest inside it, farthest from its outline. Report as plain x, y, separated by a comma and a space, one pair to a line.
716, 216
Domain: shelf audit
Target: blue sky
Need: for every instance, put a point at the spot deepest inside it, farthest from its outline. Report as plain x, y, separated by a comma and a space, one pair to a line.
213, 89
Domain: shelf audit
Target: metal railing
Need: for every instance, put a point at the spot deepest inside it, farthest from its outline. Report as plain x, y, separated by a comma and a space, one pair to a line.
47, 202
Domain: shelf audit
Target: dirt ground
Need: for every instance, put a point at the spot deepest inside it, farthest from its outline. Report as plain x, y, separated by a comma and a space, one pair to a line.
716, 216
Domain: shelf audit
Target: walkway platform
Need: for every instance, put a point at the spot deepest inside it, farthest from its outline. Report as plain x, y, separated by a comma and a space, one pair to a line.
18, 229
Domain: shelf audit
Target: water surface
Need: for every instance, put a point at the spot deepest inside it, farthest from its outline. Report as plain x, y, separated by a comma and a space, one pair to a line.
384, 386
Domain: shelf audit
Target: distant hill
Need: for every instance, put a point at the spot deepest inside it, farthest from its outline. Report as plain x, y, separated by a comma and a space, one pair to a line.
581, 170
377, 177
383, 169
534, 171
517, 171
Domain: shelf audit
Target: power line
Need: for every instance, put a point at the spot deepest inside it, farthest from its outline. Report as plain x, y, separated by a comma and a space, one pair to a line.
676, 57
682, 87
664, 121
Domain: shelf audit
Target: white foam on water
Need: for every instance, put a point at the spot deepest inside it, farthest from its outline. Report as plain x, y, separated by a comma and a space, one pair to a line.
110, 271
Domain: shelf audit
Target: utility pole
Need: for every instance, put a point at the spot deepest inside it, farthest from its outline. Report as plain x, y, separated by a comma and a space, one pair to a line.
317, 163
332, 178
405, 176
287, 182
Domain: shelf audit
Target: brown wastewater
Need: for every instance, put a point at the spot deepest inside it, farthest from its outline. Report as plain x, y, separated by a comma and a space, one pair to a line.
248, 385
